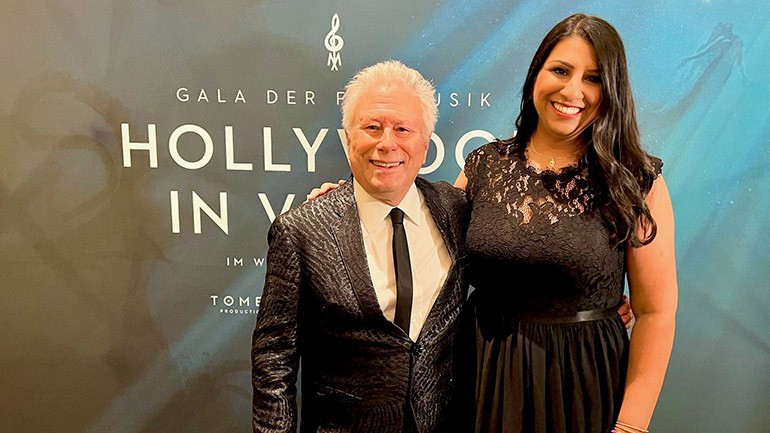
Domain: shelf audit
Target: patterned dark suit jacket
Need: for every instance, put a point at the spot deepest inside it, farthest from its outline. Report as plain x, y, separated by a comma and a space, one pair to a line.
359, 370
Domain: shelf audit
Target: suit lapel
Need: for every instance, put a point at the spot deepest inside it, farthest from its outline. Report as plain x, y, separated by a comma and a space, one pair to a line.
448, 232
349, 239
439, 215
347, 233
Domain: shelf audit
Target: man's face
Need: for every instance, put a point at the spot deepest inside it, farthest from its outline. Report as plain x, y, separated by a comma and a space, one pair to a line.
387, 143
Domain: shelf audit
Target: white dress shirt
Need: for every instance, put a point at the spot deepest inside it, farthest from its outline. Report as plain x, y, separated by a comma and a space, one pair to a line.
427, 253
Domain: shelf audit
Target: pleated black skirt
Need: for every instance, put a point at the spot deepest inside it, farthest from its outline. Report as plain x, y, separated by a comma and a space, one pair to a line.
549, 378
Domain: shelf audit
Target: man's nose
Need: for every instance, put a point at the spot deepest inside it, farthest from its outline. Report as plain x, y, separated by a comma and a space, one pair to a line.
387, 139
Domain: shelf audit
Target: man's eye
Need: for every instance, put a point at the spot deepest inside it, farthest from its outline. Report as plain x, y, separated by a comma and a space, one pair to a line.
371, 127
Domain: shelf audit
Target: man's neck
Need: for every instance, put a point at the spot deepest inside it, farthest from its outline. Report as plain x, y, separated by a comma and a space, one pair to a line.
364, 196
390, 200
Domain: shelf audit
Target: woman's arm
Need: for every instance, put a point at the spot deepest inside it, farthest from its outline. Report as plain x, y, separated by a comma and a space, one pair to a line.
653, 287
461, 181
323, 189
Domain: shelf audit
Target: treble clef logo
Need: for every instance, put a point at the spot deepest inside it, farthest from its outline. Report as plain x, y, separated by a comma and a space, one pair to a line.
334, 43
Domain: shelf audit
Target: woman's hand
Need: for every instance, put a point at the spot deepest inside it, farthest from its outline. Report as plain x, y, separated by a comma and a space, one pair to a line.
323, 189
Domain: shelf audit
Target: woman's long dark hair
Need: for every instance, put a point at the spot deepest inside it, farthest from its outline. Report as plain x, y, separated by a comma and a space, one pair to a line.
614, 153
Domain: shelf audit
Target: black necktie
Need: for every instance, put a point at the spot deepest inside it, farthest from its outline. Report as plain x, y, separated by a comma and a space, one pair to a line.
403, 271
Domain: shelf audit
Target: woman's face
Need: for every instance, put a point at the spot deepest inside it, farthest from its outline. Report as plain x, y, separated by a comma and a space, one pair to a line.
567, 90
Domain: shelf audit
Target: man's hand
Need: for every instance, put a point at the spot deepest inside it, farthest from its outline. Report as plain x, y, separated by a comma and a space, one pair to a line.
626, 313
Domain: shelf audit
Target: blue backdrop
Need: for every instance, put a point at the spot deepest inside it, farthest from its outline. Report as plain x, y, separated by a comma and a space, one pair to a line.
147, 145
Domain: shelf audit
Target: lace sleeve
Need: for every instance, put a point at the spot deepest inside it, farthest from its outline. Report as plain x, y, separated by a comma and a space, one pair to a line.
471, 170
657, 165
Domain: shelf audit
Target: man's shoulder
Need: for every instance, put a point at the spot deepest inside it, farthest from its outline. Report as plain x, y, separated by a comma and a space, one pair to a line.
322, 210
444, 190
444, 198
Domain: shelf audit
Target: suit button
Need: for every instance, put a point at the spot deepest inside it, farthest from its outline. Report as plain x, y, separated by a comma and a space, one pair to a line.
417, 350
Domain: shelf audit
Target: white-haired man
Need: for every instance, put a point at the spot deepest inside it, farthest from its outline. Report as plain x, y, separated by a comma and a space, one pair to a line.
365, 284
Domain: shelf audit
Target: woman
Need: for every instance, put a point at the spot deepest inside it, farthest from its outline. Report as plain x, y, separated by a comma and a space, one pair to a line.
561, 213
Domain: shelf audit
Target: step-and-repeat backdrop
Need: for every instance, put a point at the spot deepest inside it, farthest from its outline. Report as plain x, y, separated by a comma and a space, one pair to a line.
146, 146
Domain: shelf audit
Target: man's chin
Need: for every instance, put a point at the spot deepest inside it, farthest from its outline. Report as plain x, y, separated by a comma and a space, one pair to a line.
389, 195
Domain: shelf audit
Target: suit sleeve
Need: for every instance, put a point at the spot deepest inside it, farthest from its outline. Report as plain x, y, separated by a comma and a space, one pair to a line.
274, 351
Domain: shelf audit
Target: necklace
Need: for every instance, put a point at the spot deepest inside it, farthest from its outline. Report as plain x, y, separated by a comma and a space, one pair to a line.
552, 159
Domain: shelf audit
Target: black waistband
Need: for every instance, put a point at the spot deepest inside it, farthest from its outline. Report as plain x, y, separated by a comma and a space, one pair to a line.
580, 316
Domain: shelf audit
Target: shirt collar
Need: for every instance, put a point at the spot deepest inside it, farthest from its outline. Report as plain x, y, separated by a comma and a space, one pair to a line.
373, 212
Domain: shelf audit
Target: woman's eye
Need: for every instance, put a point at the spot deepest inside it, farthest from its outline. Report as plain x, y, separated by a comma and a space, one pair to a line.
595, 79
559, 71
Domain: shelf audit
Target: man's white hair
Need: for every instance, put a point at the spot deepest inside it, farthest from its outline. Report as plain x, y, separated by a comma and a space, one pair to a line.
390, 72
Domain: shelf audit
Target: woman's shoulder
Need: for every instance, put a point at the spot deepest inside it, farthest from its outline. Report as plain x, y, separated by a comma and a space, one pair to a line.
493, 149
649, 172
488, 157
657, 164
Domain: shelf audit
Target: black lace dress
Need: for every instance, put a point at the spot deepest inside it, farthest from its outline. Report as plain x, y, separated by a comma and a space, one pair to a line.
539, 254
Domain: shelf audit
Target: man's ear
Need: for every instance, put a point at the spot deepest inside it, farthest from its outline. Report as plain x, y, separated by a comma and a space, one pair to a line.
425, 150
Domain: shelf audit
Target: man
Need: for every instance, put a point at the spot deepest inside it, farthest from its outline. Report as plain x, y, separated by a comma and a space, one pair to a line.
376, 341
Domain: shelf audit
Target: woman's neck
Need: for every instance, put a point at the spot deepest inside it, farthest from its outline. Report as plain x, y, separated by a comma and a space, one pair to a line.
555, 146
553, 153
